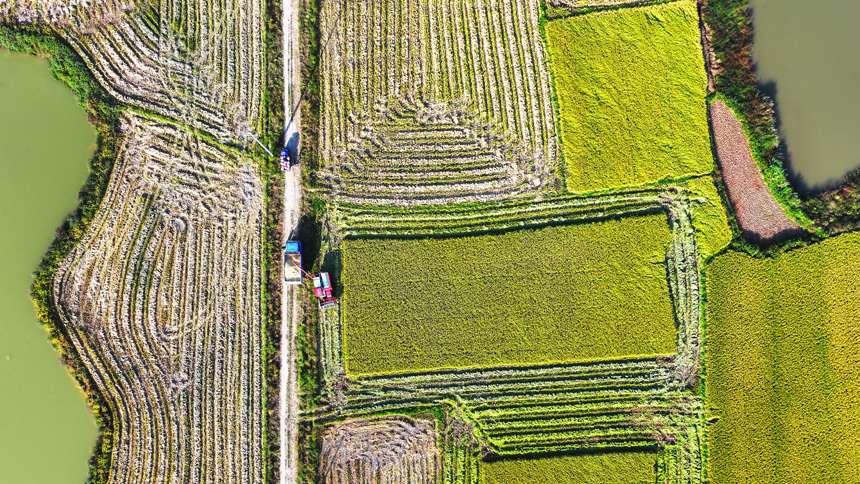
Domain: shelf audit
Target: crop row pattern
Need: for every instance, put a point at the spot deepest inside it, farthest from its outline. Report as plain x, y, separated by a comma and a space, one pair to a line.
427, 102
162, 299
620, 405
199, 62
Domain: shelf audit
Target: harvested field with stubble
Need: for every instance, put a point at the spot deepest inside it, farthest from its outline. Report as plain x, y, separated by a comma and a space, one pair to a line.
162, 297
199, 63
390, 450
162, 300
760, 216
428, 102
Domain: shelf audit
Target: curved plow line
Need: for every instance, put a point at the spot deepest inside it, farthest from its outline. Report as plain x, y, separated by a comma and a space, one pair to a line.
184, 380
382, 51
210, 79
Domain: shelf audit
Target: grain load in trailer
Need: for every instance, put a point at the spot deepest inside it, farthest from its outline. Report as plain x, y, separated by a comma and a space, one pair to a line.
293, 262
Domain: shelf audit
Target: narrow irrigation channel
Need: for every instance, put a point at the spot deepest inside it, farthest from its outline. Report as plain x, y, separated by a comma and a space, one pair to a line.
46, 431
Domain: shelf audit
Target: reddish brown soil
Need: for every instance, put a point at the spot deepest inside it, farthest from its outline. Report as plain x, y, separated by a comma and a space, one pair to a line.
759, 215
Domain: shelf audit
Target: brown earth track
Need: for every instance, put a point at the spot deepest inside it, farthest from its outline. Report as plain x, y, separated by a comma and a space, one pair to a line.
761, 218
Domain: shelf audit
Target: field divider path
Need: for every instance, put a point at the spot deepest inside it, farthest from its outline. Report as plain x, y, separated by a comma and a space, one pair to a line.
290, 307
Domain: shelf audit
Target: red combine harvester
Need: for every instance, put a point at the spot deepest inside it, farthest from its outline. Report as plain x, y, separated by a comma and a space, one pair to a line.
322, 289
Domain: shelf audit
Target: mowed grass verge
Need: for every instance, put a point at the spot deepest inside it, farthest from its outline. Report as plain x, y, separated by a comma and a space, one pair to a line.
783, 371
631, 90
612, 468
558, 294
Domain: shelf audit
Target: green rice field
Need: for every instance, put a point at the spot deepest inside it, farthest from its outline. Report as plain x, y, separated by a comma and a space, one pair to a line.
631, 90
558, 294
783, 370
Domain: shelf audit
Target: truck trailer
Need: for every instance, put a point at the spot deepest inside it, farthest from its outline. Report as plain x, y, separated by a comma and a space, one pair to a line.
293, 262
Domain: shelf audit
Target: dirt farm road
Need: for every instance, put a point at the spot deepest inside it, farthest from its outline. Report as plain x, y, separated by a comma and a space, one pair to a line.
289, 386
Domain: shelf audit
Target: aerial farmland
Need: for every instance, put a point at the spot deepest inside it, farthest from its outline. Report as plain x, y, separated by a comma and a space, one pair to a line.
444, 242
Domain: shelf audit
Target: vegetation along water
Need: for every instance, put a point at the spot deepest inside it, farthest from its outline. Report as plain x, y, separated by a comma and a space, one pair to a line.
46, 431
808, 52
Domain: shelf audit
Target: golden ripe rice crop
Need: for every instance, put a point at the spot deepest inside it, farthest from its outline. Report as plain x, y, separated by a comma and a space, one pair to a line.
571, 293
631, 90
784, 376
610, 468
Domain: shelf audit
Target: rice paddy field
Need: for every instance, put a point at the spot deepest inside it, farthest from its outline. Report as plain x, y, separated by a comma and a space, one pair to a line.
631, 92
558, 294
710, 218
783, 373
517, 203
610, 468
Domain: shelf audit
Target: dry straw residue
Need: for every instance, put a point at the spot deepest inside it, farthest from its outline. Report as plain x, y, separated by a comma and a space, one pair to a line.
197, 63
433, 102
162, 300
387, 450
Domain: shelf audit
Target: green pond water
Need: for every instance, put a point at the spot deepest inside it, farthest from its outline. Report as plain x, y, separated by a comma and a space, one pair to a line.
47, 432
810, 51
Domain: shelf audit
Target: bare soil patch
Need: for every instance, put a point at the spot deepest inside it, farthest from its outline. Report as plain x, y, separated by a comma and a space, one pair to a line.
761, 218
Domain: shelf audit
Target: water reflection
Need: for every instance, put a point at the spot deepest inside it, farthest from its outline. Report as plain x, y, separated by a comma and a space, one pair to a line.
808, 58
